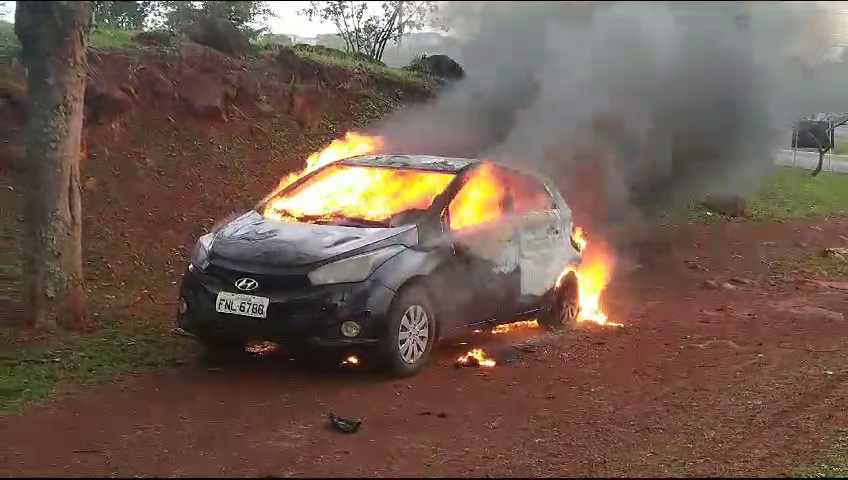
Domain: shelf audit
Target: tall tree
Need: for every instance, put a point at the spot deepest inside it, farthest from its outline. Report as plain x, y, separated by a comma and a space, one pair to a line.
367, 27
178, 15
54, 39
122, 15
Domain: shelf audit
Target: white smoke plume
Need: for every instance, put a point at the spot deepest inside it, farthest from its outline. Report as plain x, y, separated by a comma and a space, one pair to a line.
633, 106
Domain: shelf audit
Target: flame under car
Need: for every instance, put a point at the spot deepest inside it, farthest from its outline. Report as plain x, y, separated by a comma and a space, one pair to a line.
381, 256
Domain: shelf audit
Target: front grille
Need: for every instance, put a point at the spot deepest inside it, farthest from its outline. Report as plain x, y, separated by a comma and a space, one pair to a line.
267, 283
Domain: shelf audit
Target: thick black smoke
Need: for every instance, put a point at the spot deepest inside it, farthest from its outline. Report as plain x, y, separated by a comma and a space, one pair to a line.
634, 107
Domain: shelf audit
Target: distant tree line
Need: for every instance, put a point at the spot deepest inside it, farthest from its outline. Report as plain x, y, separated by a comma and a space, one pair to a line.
176, 16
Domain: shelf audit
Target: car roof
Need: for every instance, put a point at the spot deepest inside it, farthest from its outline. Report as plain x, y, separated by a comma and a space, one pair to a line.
417, 162
433, 163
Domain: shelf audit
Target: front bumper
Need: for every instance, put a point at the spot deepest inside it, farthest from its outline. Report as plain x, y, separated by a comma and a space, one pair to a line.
302, 318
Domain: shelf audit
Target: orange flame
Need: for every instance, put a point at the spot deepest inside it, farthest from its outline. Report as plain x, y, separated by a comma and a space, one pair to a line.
579, 237
352, 145
360, 192
593, 275
480, 200
351, 360
511, 327
476, 357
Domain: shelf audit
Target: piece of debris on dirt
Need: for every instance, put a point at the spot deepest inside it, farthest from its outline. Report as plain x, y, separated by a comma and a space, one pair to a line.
729, 286
475, 358
729, 205
712, 343
427, 413
809, 283
344, 425
740, 281
836, 252
836, 285
710, 285
792, 307
692, 265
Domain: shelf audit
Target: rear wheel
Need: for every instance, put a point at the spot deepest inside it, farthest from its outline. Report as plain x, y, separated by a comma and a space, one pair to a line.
412, 333
562, 305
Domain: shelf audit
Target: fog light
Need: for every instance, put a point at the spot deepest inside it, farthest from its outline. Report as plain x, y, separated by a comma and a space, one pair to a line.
182, 306
350, 329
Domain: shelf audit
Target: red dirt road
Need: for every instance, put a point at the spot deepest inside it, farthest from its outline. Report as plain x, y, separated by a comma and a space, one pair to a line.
698, 382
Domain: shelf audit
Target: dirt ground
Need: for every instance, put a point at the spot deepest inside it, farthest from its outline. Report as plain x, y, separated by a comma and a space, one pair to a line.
699, 381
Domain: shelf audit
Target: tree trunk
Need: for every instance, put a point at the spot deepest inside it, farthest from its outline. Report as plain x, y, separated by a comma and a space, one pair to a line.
54, 39
819, 165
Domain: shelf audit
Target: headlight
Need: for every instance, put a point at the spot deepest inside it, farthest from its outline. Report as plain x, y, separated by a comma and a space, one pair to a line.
200, 255
353, 269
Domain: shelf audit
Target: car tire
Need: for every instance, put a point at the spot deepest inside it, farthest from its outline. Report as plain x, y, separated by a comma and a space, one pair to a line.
411, 313
562, 305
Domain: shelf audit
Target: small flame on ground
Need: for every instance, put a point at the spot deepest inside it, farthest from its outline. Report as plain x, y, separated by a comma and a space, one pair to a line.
261, 348
476, 357
511, 327
351, 360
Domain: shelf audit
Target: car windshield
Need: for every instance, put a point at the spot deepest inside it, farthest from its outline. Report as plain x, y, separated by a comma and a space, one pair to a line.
359, 196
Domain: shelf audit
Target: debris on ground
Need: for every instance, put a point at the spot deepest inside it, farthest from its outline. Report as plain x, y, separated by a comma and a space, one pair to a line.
344, 425
427, 413
793, 307
692, 265
729, 205
727, 343
740, 281
836, 252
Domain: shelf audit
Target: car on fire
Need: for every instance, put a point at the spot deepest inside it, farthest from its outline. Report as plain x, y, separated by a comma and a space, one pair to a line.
381, 256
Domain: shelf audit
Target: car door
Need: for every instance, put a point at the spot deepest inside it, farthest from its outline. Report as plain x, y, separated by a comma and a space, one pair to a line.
544, 250
485, 268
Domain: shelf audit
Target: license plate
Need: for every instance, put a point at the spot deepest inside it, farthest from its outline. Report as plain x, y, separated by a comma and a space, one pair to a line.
239, 304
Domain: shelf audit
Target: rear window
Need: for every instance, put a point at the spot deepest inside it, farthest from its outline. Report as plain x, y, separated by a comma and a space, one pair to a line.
360, 196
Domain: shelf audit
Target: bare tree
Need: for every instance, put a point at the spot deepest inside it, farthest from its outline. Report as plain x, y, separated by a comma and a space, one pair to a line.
367, 27
54, 38
822, 147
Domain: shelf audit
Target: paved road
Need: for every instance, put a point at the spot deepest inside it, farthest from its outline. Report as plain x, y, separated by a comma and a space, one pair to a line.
808, 160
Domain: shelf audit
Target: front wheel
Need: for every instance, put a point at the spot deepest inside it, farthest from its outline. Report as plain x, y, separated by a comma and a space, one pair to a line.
562, 305
412, 333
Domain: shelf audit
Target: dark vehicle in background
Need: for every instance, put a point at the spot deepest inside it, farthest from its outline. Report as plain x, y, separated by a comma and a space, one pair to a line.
382, 255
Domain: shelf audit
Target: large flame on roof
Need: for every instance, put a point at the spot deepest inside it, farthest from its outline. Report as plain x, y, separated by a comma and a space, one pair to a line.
363, 193
378, 194
352, 145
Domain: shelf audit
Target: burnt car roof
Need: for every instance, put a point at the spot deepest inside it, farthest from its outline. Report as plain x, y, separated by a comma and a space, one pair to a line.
420, 162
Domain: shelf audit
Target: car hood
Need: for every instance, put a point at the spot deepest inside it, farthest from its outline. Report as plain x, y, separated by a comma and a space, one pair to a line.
254, 240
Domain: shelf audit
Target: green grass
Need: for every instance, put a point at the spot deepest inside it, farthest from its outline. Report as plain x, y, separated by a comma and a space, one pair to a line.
835, 465
792, 193
841, 147
28, 377
104, 39
108, 39
396, 74
789, 194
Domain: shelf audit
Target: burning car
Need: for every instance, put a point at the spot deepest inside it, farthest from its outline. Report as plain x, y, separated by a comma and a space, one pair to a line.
381, 255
